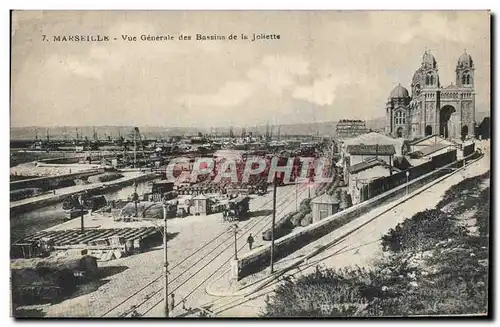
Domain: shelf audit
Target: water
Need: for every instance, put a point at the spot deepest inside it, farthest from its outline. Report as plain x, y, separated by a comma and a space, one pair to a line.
25, 223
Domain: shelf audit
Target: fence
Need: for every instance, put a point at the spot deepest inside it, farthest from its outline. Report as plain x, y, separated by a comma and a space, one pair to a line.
469, 149
383, 184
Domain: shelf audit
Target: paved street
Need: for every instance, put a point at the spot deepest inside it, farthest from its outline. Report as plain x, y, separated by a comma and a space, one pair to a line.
136, 286
359, 248
190, 234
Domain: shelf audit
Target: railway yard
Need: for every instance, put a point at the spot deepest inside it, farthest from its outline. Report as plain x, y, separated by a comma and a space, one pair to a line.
125, 237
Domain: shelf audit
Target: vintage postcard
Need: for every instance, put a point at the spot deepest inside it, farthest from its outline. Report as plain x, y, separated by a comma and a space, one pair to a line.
227, 164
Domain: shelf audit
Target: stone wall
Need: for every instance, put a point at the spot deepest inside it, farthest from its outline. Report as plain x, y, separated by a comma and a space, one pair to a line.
259, 258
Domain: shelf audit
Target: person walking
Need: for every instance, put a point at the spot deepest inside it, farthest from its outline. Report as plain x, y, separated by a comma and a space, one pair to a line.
250, 241
172, 302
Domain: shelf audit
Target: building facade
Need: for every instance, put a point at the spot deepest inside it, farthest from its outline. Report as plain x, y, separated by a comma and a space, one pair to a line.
432, 109
347, 128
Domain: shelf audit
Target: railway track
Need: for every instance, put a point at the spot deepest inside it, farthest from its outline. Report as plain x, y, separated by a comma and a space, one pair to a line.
223, 304
197, 267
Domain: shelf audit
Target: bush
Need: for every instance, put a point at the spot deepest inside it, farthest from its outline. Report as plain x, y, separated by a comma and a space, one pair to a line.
324, 293
305, 205
282, 227
296, 218
106, 177
307, 220
483, 213
435, 267
424, 229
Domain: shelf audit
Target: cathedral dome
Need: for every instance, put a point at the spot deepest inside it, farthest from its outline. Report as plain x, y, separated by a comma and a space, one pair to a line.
417, 76
399, 92
465, 60
428, 60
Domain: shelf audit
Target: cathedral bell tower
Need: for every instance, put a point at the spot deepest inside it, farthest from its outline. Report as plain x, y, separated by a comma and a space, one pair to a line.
466, 107
465, 71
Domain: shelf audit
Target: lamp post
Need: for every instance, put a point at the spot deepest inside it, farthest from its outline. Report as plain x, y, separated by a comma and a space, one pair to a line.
296, 196
235, 230
273, 224
165, 259
135, 197
407, 179
82, 227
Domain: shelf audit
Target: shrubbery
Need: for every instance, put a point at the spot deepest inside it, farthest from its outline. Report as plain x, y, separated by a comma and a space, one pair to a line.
106, 177
291, 220
434, 266
422, 231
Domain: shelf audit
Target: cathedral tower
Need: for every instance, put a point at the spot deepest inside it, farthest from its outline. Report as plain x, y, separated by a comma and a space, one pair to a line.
433, 109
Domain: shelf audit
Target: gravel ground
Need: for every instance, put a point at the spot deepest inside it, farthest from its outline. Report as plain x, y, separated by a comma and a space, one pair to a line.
190, 234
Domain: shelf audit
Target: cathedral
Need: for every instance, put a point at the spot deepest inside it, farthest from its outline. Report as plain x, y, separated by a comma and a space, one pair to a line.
433, 109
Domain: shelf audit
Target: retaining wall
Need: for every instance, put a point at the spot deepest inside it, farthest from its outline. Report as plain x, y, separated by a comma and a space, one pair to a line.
48, 182
40, 202
256, 260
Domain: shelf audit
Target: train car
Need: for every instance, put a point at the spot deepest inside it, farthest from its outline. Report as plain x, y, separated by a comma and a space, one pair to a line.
237, 208
17, 195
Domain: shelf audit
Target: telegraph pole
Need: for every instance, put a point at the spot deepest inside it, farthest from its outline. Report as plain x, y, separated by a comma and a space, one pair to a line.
135, 198
296, 196
407, 180
273, 223
235, 230
82, 227
165, 260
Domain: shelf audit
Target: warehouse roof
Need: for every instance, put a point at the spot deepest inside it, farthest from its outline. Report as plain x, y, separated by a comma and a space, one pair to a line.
354, 169
371, 149
428, 150
365, 165
325, 199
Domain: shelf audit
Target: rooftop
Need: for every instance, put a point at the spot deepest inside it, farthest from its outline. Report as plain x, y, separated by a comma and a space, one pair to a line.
200, 196
421, 139
325, 199
373, 162
371, 149
428, 150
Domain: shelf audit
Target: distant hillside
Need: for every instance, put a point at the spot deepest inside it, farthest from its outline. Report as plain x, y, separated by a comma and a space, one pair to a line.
153, 132
60, 133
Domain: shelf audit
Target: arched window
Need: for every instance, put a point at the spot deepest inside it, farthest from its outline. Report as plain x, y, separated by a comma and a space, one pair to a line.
464, 79
432, 80
400, 118
469, 79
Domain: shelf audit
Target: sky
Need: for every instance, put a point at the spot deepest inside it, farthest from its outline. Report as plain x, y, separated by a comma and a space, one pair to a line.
326, 66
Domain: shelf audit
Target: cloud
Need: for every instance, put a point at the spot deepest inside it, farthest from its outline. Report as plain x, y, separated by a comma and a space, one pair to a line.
79, 67
232, 93
273, 74
277, 73
326, 65
321, 92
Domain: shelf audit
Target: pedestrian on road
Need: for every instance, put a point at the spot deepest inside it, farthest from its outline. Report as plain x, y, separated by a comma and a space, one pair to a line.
250, 241
184, 304
172, 302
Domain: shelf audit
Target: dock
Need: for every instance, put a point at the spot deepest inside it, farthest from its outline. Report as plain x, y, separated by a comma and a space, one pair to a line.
61, 194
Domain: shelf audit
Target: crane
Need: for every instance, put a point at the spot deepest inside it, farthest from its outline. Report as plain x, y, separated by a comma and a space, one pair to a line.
137, 139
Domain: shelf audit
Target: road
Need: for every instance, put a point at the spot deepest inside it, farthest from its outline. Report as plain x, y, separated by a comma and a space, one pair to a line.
67, 191
188, 273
